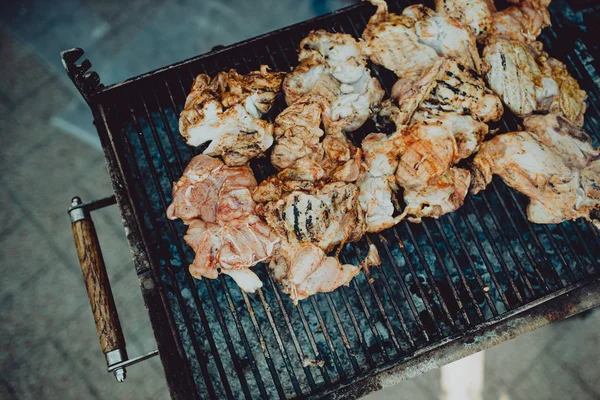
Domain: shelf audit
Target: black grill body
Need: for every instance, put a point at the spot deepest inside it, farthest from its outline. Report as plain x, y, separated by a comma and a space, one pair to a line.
446, 288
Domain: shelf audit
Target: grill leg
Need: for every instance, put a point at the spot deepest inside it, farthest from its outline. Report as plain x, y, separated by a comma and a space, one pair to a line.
463, 379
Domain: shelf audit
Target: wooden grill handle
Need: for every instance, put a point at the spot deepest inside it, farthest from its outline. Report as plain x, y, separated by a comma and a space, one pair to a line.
98, 288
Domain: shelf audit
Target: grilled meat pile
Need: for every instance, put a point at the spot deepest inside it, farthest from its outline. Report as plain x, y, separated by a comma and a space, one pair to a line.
329, 190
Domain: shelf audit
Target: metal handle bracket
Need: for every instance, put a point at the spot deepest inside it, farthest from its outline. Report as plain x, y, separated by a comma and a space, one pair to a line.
98, 287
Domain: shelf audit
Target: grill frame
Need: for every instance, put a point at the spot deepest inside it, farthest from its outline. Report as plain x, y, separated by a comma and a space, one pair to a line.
557, 305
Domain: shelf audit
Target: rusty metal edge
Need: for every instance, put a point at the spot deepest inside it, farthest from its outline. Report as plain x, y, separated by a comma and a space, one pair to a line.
172, 356
563, 304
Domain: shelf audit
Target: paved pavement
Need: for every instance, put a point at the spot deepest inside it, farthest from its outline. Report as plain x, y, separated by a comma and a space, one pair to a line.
49, 153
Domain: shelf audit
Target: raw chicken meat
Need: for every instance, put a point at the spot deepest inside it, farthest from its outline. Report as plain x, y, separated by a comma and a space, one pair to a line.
332, 66
211, 191
530, 81
226, 111
447, 86
410, 43
475, 15
224, 230
231, 248
553, 163
523, 21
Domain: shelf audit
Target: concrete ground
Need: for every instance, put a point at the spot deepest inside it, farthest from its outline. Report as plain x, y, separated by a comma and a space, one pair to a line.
49, 152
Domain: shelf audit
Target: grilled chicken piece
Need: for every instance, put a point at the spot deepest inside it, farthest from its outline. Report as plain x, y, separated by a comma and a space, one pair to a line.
298, 132
447, 36
224, 231
226, 111
333, 67
304, 269
310, 224
475, 15
326, 217
522, 22
440, 196
305, 154
425, 159
468, 132
553, 163
377, 183
410, 43
529, 81
447, 86
430, 150
570, 102
377, 194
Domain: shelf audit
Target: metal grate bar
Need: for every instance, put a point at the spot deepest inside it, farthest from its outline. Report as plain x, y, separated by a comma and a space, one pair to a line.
427, 269
486, 260
349, 349
459, 269
534, 235
538, 244
508, 246
325, 332
359, 332
263, 346
497, 254
203, 360
165, 122
282, 349
286, 317
411, 304
251, 360
189, 280
518, 232
236, 318
415, 277
212, 295
390, 292
562, 258
384, 316
593, 257
366, 312
444, 270
576, 256
472, 266
313, 343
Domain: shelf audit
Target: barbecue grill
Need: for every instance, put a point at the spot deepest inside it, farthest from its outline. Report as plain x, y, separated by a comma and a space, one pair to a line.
445, 289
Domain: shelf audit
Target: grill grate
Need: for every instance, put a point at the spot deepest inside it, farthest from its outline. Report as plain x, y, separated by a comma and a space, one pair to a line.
439, 280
